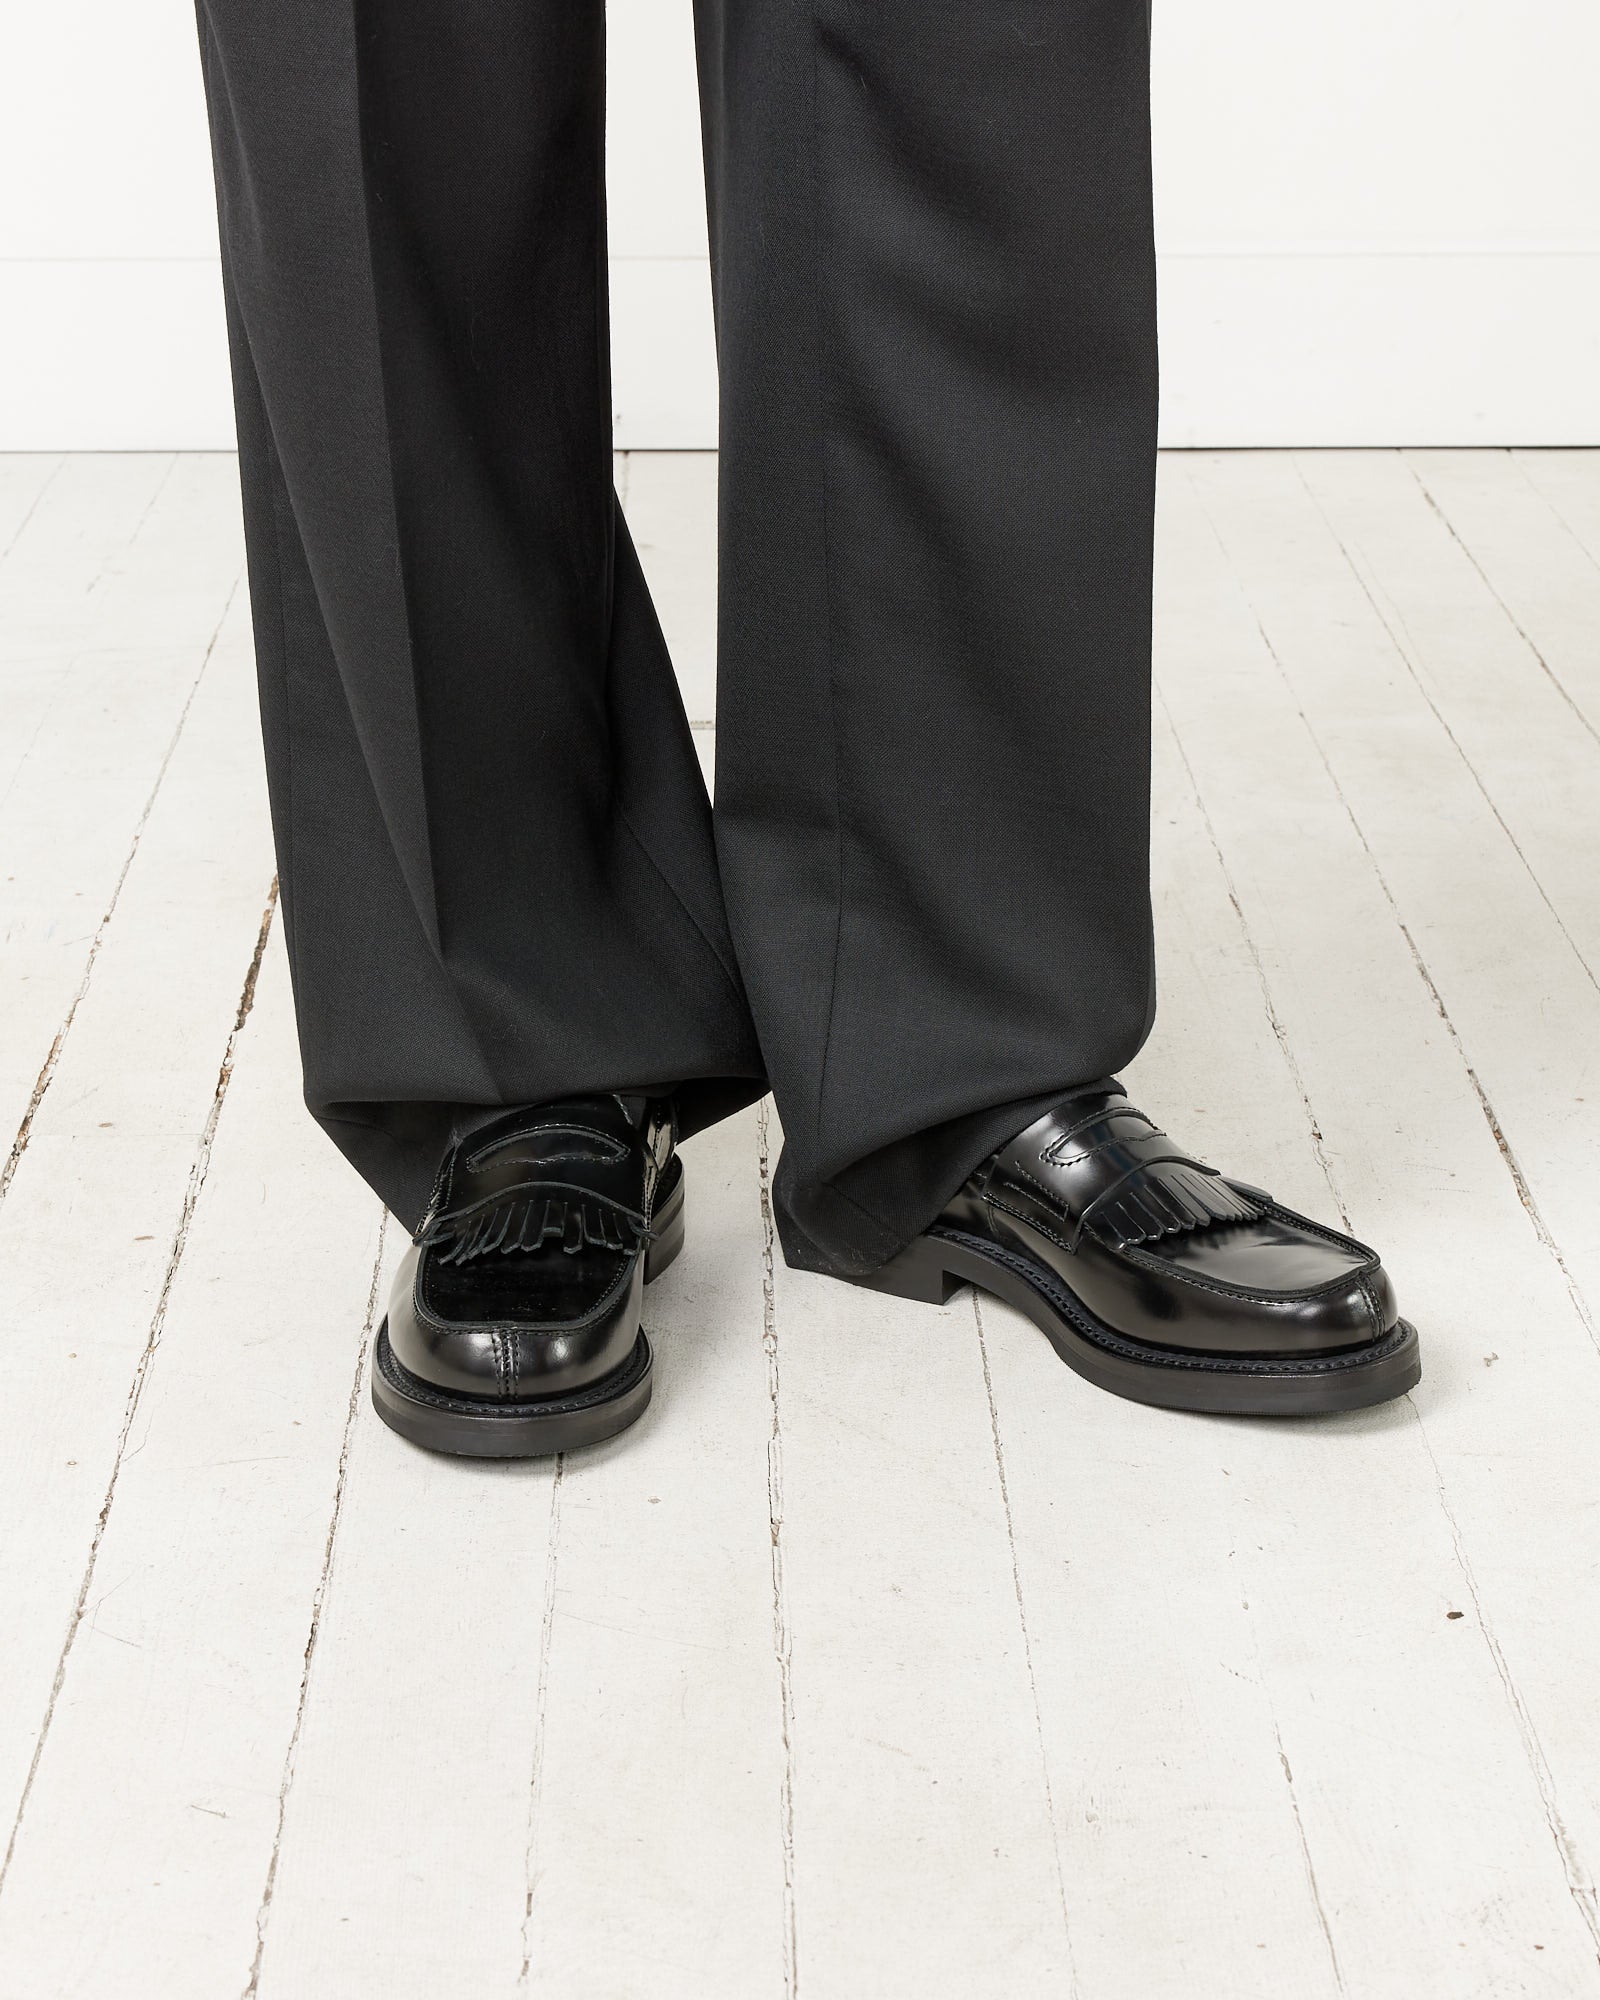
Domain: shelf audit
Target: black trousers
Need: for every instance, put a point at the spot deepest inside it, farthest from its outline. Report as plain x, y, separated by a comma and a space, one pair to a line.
921, 905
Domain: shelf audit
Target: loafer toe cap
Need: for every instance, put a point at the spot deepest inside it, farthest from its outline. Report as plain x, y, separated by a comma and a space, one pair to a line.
508, 1361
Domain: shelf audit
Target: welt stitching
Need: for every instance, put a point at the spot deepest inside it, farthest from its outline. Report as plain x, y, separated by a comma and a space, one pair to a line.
1218, 1287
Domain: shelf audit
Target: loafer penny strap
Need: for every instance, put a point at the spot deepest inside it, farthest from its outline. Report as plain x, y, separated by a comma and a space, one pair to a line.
554, 1176
1112, 1170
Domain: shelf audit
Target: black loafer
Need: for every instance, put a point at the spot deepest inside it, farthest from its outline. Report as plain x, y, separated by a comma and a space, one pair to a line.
1160, 1280
513, 1328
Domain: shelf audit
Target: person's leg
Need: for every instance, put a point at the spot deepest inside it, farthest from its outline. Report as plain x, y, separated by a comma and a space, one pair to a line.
494, 843
936, 313
931, 233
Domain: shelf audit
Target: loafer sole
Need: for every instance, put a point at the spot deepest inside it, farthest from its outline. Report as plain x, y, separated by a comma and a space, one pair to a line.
474, 1427
934, 1266
538, 1426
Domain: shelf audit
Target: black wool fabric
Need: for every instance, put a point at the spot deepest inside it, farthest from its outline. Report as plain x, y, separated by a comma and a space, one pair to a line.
920, 907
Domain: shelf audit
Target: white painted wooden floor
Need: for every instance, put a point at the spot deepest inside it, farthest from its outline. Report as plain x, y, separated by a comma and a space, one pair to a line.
884, 1658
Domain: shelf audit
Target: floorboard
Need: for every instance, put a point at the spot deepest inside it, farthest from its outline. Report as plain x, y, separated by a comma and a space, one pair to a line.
95, 1222
660, 1751
24, 479
1511, 991
1511, 718
1398, 1120
885, 1657
403, 1851
1542, 575
916, 1752
206, 1582
112, 597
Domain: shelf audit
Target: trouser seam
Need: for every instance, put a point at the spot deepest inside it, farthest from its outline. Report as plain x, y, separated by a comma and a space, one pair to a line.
829, 647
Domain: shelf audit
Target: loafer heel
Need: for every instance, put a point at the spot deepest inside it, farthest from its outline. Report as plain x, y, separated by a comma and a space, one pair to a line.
917, 1273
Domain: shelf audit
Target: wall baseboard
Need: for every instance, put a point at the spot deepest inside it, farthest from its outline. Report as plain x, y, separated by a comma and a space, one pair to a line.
1437, 347
1482, 346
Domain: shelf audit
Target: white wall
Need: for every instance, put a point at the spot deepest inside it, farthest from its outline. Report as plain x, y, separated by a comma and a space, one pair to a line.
1378, 223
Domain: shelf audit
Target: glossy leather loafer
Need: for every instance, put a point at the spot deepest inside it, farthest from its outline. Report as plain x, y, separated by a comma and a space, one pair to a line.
513, 1328
1158, 1279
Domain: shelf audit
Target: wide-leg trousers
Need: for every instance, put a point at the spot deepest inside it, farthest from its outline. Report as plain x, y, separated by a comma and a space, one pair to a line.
920, 907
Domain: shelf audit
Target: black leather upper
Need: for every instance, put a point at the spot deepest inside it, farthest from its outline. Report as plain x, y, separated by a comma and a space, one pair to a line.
526, 1275
1165, 1250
